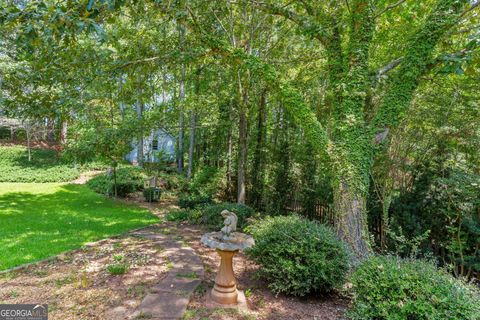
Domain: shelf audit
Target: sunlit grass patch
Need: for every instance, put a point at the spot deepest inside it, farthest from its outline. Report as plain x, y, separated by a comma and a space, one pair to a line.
41, 220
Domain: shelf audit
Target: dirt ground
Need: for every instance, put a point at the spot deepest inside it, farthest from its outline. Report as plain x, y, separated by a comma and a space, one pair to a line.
79, 285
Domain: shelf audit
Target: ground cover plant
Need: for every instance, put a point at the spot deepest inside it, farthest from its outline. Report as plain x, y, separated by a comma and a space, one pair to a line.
45, 166
42, 220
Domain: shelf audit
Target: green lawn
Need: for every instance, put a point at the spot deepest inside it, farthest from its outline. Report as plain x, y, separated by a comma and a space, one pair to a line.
41, 220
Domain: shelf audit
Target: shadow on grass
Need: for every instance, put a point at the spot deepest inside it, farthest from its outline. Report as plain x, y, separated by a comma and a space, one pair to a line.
35, 226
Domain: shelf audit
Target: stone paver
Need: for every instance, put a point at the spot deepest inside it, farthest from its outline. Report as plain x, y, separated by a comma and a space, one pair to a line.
169, 298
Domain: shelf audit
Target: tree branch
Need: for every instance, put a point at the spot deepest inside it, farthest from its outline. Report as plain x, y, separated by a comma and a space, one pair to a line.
307, 24
390, 7
472, 7
392, 65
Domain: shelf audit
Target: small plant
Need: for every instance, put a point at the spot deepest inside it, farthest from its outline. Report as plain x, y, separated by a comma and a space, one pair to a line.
200, 289
248, 293
151, 194
117, 257
298, 256
82, 281
169, 264
117, 268
388, 287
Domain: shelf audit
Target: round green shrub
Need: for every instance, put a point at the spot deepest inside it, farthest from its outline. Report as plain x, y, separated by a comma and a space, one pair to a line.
129, 179
209, 215
387, 287
298, 256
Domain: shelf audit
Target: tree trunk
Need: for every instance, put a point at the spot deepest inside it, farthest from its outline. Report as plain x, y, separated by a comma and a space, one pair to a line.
181, 132
63, 134
191, 147
181, 98
242, 156
350, 222
51, 131
114, 171
229, 163
140, 156
29, 147
259, 155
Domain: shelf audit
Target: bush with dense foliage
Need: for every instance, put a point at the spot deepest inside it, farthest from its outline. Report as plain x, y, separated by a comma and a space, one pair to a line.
129, 179
298, 256
45, 166
445, 204
209, 215
387, 287
178, 215
171, 181
190, 201
207, 181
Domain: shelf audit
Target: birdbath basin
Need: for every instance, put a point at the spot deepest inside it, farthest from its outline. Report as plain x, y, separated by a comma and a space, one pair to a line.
227, 242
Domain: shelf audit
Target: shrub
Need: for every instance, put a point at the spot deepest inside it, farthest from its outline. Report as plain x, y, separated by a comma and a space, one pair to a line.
129, 180
298, 256
207, 182
387, 287
191, 201
151, 194
209, 215
177, 215
171, 181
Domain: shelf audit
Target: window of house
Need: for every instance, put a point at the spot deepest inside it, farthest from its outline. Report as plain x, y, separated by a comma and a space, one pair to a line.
155, 145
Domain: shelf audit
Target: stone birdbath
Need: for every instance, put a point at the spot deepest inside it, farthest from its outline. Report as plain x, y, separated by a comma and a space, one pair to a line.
227, 242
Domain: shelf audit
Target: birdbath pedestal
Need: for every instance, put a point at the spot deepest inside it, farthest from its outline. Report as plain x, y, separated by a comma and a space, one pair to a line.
225, 289
227, 244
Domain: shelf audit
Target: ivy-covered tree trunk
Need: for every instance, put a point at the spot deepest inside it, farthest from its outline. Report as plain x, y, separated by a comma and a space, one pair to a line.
350, 153
351, 224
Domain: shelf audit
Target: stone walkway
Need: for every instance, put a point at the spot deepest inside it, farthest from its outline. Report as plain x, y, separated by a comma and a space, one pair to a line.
168, 299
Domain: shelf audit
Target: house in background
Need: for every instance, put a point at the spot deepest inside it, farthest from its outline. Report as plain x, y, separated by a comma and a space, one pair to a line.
158, 143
